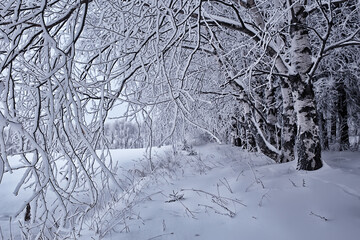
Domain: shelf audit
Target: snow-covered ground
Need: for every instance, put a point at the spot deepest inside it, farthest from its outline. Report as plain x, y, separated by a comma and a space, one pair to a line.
225, 193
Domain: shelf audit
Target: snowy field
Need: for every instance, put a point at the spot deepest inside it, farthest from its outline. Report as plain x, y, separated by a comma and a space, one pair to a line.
221, 192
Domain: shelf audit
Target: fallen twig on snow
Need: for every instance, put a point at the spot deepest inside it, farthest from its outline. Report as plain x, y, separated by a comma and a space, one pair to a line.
317, 215
235, 200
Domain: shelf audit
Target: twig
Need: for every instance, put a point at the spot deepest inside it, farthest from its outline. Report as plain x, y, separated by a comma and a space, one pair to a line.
239, 175
226, 184
175, 196
248, 187
10, 220
161, 235
321, 217
215, 210
187, 210
215, 196
293, 183
231, 213
258, 180
126, 227
262, 198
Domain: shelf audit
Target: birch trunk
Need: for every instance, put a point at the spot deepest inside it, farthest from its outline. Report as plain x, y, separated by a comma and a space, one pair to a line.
288, 131
308, 147
257, 135
272, 131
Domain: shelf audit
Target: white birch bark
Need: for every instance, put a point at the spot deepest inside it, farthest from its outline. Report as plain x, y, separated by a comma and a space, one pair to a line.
308, 147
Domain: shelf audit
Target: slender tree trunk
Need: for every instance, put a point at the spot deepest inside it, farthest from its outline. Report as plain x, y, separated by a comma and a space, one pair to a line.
342, 116
250, 138
337, 145
323, 131
266, 148
329, 128
288, 131
270, 102
256, 132
308, 147
235, 128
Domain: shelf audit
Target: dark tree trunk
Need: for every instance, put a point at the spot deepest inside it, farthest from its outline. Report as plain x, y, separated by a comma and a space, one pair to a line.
342, 118
272, 132
236, 129
323, 132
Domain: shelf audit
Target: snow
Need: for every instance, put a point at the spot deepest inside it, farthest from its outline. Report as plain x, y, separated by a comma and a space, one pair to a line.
223, 192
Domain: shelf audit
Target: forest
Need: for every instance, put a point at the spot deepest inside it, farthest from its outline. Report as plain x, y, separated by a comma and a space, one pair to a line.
80, 78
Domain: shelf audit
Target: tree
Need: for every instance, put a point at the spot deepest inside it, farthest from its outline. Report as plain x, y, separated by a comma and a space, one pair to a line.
48, 106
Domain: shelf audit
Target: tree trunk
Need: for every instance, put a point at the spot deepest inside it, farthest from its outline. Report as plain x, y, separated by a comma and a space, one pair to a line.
342, 135
250, 137
257, 135
323, 132
329, 131
308, 145
236, 139
272, 131
288, 131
